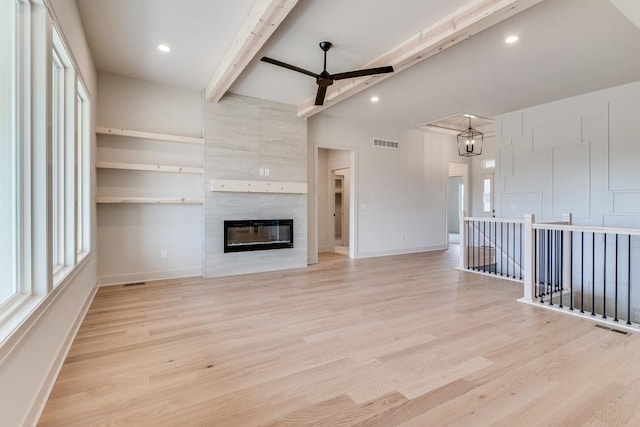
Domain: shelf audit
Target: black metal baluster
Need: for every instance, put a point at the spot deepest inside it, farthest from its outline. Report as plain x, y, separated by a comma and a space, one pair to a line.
521, 247
615, 310
467, 243
582, 274
536, 260
543, 257
513, 272
561, 233
484, 245
495, 246
508, 253
473, 252
501, 249
549, 265
604, 280
551, 262
593, 274
571, 275
629, 285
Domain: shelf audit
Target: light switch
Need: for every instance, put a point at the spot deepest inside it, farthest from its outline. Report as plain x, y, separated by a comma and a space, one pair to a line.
261, 171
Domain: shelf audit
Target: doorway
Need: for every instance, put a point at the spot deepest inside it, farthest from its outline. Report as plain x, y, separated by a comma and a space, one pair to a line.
341, 203
454, 206
335, 208
457, 199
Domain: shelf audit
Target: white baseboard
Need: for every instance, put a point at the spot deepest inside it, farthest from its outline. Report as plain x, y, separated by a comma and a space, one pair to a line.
148, 276
401, 251
47, 385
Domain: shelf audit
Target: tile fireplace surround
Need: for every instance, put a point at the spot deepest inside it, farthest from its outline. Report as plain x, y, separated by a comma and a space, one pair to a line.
242, 136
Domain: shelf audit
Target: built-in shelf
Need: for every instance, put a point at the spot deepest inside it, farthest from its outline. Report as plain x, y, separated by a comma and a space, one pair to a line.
148, 167
150, 200
149, 135
240, 186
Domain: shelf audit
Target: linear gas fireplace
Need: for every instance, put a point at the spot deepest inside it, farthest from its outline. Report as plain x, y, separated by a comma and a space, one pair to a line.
258, 235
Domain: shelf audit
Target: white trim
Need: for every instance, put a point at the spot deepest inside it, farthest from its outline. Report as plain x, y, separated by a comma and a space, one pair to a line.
495, 220
40, 401
406, 251
586, 229
123, 279
587, 316
27, 314
495, 276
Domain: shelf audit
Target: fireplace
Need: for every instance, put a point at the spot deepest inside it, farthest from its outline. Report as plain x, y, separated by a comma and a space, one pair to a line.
258, 235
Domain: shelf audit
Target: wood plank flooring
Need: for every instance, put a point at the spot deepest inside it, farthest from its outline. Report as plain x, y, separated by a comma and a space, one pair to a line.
404, 340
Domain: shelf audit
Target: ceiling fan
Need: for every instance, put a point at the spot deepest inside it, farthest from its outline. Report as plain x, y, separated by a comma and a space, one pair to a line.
324, 79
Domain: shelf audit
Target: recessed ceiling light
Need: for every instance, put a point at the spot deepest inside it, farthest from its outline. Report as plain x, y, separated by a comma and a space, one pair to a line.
164, 48
375, 99
511, 39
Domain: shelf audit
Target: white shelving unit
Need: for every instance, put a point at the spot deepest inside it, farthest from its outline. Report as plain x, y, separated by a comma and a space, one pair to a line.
115, 157
148, 167
149, 200
149, 135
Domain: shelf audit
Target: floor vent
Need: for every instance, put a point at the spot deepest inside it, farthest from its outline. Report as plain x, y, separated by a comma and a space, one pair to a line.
134, 284
384, 143
617, 331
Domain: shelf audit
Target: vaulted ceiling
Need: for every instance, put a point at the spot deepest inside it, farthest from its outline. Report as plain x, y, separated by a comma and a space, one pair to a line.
566, 47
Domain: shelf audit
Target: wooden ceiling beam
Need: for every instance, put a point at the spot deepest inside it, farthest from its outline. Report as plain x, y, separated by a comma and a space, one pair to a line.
261, 22
476, 16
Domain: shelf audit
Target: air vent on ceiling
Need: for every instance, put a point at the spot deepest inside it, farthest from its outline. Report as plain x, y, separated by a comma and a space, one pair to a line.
383, 143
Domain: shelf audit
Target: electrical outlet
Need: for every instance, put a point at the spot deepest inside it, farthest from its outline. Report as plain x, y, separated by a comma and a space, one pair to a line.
266, 171
163, 253
402, 237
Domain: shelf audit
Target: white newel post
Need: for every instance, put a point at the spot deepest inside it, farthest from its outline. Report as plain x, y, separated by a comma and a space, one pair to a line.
566, 252
529, 257
462, 263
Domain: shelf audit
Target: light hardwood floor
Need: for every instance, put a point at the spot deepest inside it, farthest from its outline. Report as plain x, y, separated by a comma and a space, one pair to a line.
403, 340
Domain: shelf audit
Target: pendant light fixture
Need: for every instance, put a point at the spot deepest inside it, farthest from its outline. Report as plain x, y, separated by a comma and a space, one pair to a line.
470, 141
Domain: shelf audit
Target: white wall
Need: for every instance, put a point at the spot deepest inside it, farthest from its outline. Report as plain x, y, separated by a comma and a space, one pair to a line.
578, 155
400, 194
29, 370
132, 238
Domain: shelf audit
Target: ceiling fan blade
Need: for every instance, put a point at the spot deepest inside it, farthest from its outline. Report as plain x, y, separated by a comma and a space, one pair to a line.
322, 91
288, 66
361, 73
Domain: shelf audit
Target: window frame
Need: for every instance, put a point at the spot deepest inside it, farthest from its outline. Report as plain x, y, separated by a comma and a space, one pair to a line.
35, 36
64, 194
14, 151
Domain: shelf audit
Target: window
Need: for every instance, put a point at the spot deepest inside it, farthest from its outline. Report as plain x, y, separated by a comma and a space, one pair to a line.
57, 151
83, 141
489, 164
44, 164
63, 151
8, 153
487, 193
